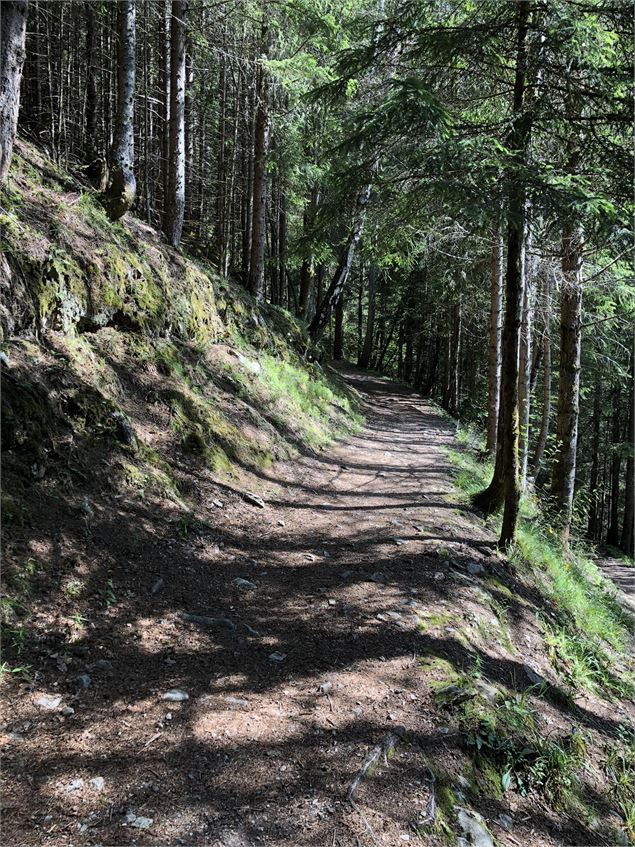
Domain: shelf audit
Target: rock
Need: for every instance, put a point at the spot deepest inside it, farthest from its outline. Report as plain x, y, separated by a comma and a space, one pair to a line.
332, 602
474, 829
252, 366
379, 577
399, 541
505, 822
489, 692
74, 785
123, 428
67, 711
474, 568
137, 821
157, 586
218, 503
203, 620
463, 781
84, 681
439, 575
245, 584
280, 523
254, 499
325, 687
533, 676
98, 782
237, 702
277, 657
175, 695
48, 702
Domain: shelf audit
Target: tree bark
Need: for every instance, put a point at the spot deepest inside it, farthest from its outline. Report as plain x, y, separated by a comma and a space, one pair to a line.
505, 486
122, 187
13, 14
613, 531
259, 215
546, 385
525, 362
175, 201
568, 407
495, 330
367, 348
338, 335
626, 541
594, 499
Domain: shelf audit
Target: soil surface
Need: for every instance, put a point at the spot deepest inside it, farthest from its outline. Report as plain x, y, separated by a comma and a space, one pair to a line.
312, 659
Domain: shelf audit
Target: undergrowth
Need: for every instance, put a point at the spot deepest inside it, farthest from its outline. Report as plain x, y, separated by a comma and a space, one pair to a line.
589, 643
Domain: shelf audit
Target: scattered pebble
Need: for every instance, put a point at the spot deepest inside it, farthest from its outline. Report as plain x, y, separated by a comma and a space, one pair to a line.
439, 575
48, 702
277, 657
475, 568
245, 584
67, 711
103, 665
74, 785
84, 680
137, 821
175, 695
98, 782
505, 822
325, 687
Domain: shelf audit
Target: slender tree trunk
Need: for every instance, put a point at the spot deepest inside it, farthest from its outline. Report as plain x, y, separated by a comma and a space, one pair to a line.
95, 164
626, 541
505, 485
613, 531
495, 330
367, 348
338, 335
164, 33
175, 201
525, 363
259, 216
13, 15
594, 498
563, 480
122, 187
546, 385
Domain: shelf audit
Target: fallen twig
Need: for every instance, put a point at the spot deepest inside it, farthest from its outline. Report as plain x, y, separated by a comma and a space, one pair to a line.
385, 748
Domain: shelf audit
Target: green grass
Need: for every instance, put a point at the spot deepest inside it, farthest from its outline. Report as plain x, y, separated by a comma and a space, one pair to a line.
593, 632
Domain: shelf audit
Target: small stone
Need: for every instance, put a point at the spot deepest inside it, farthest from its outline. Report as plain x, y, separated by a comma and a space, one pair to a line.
137, 821
245, 584
533, 676
473, 827
325, 687
399, 541
463, 781
67, 711
439, 575
332, 602
277, 657
505, 822
98, 782
254, 499
74, 785
175, 695
123, 428
48, 702
238, 702
280, 523
103, 665
218, 503
379, 577
475, 568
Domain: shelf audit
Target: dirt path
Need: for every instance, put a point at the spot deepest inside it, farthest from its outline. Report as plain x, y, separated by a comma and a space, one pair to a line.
322, 660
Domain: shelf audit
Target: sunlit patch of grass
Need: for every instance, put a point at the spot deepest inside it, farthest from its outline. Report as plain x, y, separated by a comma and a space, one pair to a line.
593, 631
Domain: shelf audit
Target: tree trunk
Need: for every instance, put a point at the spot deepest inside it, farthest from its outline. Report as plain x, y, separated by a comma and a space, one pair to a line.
495, 329
122, 187
367, 348
563, 479
95, 164
164, 33
175, 201
259, 215
524, 376
13, 15
338, 336
505, 485
613, 531
626, 541
546, 385
594, 499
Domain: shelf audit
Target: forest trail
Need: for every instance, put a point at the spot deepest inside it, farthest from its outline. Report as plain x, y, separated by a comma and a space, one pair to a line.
351, 549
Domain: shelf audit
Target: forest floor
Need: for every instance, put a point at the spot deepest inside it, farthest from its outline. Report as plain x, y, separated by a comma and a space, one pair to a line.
343, 600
